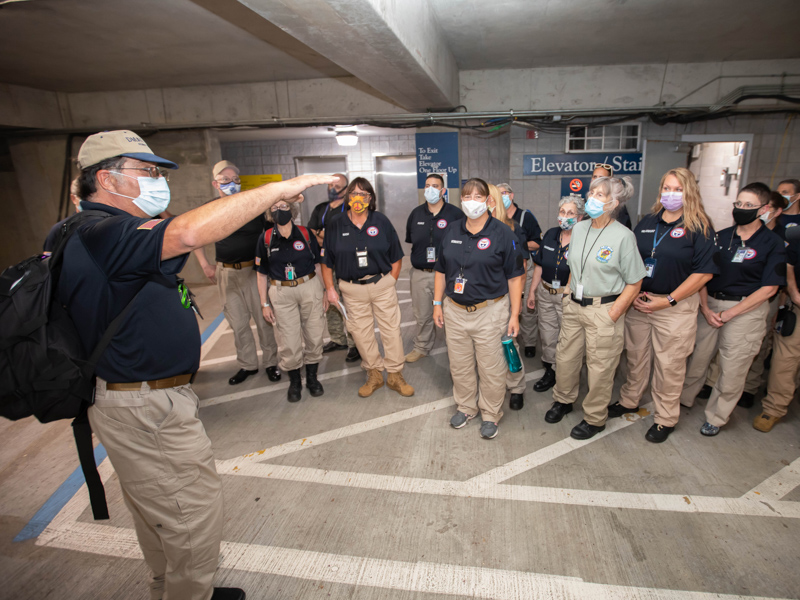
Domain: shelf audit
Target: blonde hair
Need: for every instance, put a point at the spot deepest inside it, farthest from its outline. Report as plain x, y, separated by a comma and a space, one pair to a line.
499, 208
694, 214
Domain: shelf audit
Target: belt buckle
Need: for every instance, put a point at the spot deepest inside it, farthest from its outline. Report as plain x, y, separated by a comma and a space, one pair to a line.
553, 291
237, 266
293, 283
471, 308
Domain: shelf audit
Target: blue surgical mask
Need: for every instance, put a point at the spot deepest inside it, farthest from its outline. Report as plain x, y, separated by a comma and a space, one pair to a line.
507, 201
432, 195
594, 208
230, 188
153, 196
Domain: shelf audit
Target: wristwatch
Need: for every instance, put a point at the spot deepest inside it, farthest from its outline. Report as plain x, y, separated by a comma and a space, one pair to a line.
671, 300
265, 305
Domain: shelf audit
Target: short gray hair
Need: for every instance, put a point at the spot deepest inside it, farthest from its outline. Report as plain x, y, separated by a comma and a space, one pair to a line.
573, 199
292, 207
505, 186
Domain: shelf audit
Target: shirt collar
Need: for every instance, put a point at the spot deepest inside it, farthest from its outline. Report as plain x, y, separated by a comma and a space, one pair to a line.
349, 223
87, 205
485, 226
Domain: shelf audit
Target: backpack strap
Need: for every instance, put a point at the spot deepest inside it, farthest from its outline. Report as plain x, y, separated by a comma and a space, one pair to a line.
522, 218
82, 431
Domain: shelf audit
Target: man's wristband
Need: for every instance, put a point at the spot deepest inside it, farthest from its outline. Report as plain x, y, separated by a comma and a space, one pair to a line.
437, 302
265, 305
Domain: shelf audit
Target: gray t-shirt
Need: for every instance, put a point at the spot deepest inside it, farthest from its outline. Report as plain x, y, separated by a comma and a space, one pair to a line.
603, 260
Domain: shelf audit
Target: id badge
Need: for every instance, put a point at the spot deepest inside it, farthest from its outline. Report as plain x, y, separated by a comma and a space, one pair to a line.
555, 284
431, 254
740, 254
579, 292
361, 257
289, 271
458, 288
650, 266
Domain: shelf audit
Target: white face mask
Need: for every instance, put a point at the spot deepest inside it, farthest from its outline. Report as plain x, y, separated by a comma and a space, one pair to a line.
473, 208
765, 217
153, 196
432, 195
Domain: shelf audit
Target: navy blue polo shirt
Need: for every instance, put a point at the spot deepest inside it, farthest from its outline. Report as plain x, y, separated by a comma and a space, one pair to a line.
487, 260
789, 220
294, 250
533, 233
552, 257
424, 230
764, 264
106, 263
240, 245
377, 236
322, 213
678, 252
792, 250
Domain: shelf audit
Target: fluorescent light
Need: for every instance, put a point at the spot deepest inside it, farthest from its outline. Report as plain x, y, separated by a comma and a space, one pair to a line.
347, 138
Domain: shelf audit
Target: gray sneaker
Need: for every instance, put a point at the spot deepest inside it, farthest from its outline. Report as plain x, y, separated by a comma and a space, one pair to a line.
488, 430
460, 419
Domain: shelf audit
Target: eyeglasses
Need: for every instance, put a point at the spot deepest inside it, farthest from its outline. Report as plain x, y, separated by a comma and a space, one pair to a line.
364, 195
154, 172
226, 180
746, 206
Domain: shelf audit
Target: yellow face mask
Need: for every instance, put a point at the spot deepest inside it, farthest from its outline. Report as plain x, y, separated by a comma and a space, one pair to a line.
358, 204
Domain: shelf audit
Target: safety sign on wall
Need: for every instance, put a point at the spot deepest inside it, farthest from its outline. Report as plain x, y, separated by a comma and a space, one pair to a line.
250, 182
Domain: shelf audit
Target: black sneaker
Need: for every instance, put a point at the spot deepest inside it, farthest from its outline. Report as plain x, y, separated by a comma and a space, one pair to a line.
584, 431
658, 433
228, 594
273, 373
557, 412
705, 393
747, 400
331, 346
516, 402
617, 410
241, 376
353, 355
530, 351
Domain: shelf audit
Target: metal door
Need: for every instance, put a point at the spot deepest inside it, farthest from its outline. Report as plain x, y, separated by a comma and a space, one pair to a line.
396, 191
317, 165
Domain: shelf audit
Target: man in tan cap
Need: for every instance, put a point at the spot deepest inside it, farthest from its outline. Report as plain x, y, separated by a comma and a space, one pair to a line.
145, 411
237, 283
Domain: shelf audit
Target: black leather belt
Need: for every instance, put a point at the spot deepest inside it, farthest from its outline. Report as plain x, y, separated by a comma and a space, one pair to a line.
590, 301
721, 296
373, 279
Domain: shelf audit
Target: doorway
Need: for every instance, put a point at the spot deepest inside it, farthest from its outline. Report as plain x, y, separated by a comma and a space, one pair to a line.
317, 165
396, 190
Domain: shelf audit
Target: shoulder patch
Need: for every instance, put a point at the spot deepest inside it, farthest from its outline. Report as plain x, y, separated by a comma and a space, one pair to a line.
149, 225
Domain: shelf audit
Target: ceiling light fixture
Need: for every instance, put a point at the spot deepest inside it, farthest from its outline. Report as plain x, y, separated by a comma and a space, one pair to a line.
347, 138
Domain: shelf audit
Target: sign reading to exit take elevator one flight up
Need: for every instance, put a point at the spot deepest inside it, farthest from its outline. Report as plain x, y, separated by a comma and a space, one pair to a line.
437, 153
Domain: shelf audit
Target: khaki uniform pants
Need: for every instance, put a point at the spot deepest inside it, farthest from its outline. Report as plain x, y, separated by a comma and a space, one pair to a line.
336, 322
550, 314
667, 337
162, 456
738, 341
422, 303
588, 329
529, 319
783, 372
300, 322
366, 304
238, 293
474, 340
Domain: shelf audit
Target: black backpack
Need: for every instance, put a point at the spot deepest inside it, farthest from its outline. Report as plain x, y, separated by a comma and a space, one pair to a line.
44, 371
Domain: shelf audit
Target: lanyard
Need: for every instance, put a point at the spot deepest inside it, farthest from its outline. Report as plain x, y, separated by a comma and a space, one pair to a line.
560, 253
585, 256
327, 206
660, 239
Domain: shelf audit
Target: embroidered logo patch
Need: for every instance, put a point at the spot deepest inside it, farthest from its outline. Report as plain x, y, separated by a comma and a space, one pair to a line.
484, 243
604, 254
441, 223
298, 245
678, 232
791, 225
372, 231
750, 253
149, 224
566, 254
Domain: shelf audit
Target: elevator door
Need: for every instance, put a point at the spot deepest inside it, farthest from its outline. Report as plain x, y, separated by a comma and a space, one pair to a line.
396, 191
317, 165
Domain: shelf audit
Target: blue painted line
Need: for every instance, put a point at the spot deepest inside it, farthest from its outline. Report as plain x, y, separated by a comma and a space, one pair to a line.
57, 501
73, 483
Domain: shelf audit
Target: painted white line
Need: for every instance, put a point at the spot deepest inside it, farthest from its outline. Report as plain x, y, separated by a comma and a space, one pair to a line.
460, 581
406, 301
521, 493
403, 291
777, 486
535, 459
230, 466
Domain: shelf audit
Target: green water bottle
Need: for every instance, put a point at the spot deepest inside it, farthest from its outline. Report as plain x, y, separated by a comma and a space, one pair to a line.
511, 354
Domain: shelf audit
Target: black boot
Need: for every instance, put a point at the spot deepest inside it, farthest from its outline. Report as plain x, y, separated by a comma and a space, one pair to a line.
547, 381
295, 386
313, 385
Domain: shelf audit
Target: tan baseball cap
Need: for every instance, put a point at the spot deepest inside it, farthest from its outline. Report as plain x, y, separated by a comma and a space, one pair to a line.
222, 165
108, 144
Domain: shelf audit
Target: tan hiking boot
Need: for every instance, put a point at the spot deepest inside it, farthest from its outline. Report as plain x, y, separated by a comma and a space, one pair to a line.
374, 382
765, 422
396, 382
414, 356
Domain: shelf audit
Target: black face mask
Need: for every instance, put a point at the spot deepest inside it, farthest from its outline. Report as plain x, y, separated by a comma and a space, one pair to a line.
745, 216
333, 194
282, 217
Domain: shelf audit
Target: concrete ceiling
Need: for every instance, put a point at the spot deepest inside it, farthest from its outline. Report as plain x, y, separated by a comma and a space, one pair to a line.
518, 34
104, 45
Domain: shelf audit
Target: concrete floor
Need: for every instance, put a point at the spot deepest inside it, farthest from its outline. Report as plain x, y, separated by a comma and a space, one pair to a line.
342, 497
